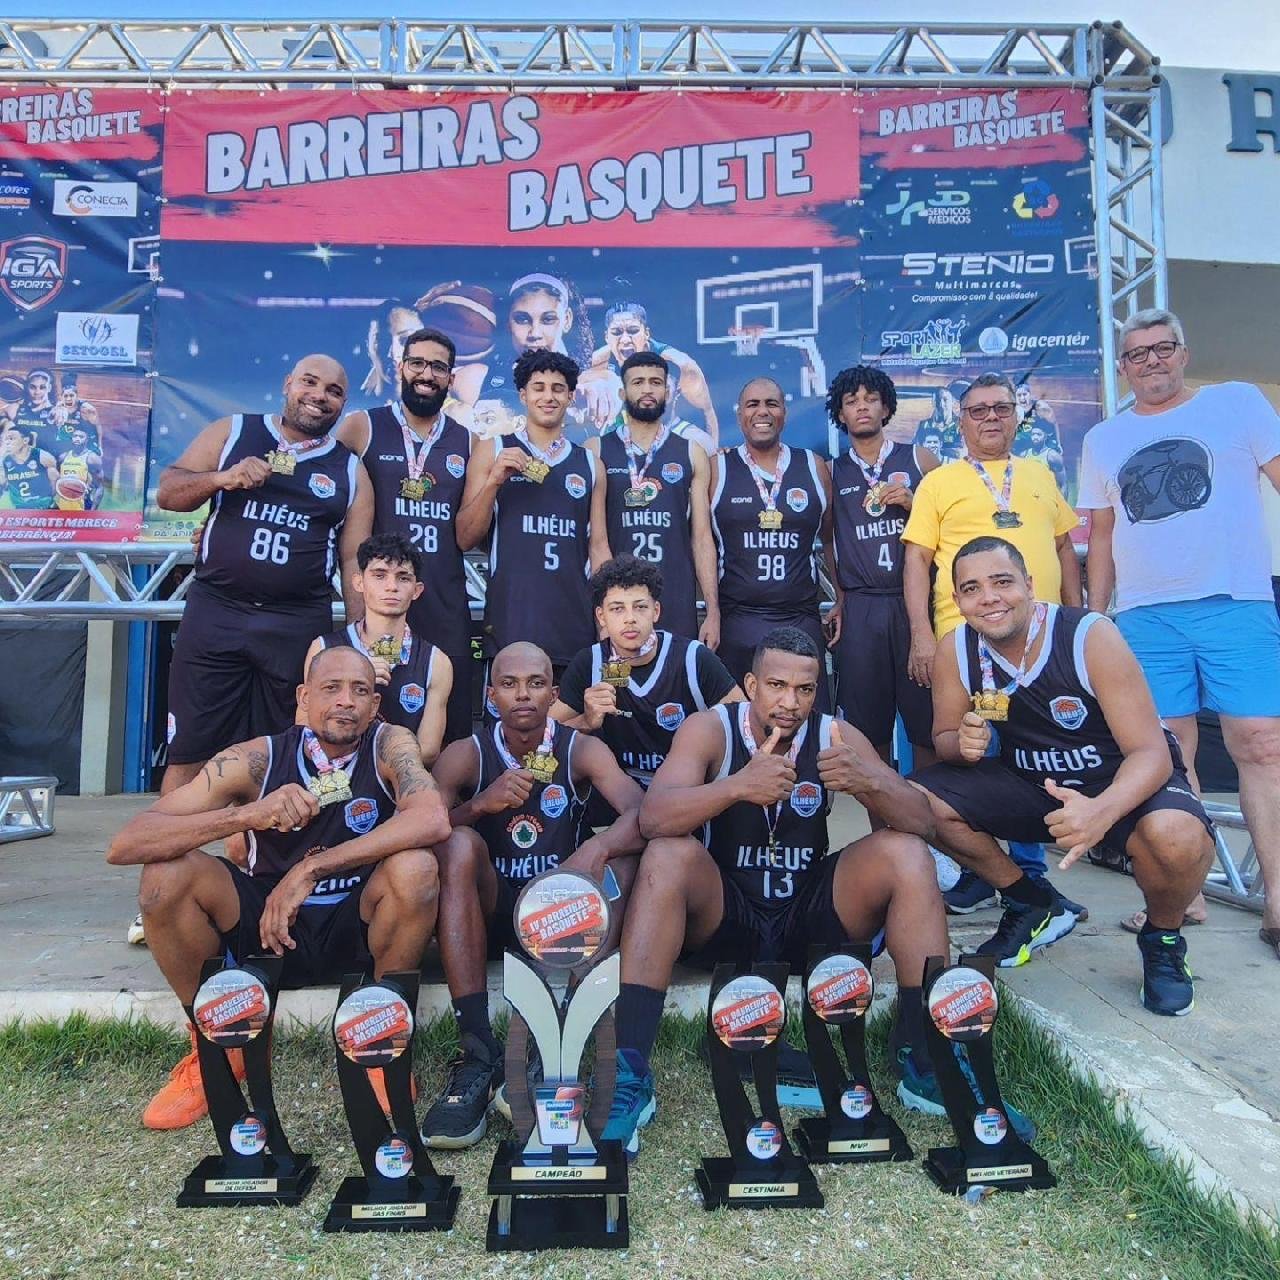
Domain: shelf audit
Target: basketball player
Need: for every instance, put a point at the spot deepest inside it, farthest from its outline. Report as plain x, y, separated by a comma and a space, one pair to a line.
340, 816
288, 500
769, 505
81, 463
543, 497
517, 792
34, 415
874, 483
416, 457
637, 686
1084, 761
30, 471
657, 497
412, 676
755, 780
71, 414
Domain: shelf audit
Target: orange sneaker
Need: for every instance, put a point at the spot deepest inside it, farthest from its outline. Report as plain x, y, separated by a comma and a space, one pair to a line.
181, 1102
378, 1081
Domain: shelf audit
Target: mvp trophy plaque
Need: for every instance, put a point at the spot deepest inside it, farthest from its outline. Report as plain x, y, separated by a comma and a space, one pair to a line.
232, 1011
745, 1015
962, 1003
399, 1190
558, 1185
853, 1129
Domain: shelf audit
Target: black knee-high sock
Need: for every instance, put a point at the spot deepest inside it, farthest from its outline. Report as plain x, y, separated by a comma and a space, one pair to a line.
638, 1014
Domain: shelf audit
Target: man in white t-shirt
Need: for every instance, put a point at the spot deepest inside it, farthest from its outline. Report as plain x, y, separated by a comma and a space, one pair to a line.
1178, 534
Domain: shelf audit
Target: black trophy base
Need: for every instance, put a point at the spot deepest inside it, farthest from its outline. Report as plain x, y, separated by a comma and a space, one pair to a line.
780, 1184
1025, 1171
426, 1206
546, 1206
815, 1141
216, 1182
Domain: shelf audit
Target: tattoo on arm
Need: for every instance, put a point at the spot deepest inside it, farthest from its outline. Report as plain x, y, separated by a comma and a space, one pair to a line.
401, 757
257, 767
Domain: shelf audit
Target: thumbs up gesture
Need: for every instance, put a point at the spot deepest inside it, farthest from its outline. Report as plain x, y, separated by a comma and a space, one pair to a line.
846, 766
768, 776
1078, 825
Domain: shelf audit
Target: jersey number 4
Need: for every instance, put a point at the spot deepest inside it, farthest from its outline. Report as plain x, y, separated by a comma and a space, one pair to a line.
270, 544
885, 558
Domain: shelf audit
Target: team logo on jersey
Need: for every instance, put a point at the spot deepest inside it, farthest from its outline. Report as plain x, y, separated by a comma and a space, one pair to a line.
412, 697
524, 831
900, 477
806, 798
360, 815
1068, 711
555, 800
576, 485
797, 499
171, 727
455, 466
322, 486
672, 472
671, 715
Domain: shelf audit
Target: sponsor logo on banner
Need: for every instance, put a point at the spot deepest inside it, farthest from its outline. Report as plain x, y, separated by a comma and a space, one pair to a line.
965, 265
1050, 341
576, 485
90, 337
806, 798
455, 466
15, 193
946, 208
797, 499
670, 715
1035, 200
993, 341
33, 270
672, 472
937, 343
74, 199
412, 697
1068, 711
360, 815
321, 485
555, 800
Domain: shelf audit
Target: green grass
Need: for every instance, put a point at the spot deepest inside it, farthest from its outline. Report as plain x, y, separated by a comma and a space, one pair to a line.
87, 1192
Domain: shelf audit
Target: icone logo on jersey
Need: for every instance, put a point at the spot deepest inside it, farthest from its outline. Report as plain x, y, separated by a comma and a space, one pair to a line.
360, 815
555, 800
672, 472
670, 715
322, 486
413, 697
797, 499
33, 270
1068, 711
455, 465
806, 798
576, 485
524, 831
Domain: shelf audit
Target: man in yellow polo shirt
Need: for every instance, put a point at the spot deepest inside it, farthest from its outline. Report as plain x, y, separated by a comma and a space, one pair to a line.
987, 491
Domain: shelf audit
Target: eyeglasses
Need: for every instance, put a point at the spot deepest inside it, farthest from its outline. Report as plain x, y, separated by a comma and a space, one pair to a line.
416, 364
1138, 355
981, 412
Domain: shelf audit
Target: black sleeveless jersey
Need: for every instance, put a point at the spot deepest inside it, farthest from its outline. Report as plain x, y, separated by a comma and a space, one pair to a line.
272, 853
441, 613
37, 425
660, 531
539, 557
277, 545
869, 548
525, 842
405, 698
684, 677
28, 482
1055, 728
738, 838
769, 571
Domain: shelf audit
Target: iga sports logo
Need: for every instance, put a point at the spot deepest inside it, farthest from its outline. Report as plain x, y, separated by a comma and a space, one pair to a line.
797, 499
670, 715
322, 486
455, 466
413, 697
1068, 711
33, 270
806, 798
672, 472
524, 831
576, 485
360, 815
555, 800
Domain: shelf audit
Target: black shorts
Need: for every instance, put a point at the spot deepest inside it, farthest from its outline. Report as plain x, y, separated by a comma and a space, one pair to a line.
235, 673
752, 931
332, 941
501, 929
742, 630
991, 797
871, 671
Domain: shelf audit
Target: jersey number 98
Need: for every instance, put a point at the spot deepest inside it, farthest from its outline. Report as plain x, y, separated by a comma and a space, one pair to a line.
772, 568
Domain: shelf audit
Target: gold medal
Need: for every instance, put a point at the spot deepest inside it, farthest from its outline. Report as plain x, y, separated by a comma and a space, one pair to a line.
991, 704
873, 503
412, 489
636, 497
617, 674
771, 519
542, 765
331, 787
283, 462
385, 647
1006, 520
536, 470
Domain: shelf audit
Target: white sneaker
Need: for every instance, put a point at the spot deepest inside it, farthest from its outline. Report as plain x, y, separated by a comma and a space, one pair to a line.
135, 937
948, 869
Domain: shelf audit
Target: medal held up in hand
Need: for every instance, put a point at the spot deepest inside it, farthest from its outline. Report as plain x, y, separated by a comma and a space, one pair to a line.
617, 674
331, 783
282, 462
992, 703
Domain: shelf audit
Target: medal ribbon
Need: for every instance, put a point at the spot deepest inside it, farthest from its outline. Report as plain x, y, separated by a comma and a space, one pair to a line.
311, 745
550, 454
544, 747
645, 649
1006, 489
1038, 616
872, 474
299, 447
770, 496
406, 645
637, 475
416, 460
772, 813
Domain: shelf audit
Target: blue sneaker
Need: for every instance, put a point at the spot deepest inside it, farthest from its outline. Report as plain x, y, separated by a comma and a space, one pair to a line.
1166, 978
634, 1105
1025, 929
967, 895
919, 1091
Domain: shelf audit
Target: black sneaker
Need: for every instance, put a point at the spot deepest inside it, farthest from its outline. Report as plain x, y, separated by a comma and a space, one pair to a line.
460, 1115
967, 895
1023, 929
1166, 977
533, 1074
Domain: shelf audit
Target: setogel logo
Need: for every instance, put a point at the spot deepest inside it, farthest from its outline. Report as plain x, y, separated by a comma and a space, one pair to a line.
33, 270
92, 337
977, 266
74, 199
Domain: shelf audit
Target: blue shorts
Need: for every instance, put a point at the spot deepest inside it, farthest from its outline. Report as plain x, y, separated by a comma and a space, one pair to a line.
1219, 653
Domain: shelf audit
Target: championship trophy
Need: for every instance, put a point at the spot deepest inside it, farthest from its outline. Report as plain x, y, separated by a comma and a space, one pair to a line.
963, 1004
745, 1014
558, 1184
853, 1129
399, 1190
233, 1009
